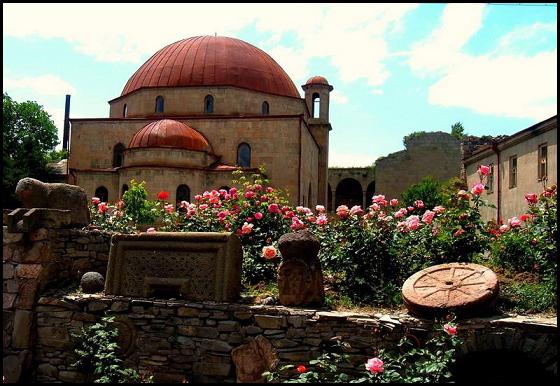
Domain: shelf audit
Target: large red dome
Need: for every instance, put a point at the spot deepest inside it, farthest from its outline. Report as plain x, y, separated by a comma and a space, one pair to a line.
169, 133
213, 61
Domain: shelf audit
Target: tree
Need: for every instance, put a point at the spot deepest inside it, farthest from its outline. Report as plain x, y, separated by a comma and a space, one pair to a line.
28, 134
458, 131
428, 190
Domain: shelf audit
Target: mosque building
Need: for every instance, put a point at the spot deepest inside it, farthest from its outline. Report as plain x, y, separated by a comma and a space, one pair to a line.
195, 111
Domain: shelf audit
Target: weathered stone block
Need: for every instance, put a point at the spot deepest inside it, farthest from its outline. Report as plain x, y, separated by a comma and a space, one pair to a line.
254, 358
71, 376
200, 332
7, 271
27, 290
48, 370
54, 336
29, 271
270, 321
8, 301
23, 321
199, 266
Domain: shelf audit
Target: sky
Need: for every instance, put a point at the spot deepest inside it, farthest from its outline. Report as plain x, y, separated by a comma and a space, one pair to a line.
395, 68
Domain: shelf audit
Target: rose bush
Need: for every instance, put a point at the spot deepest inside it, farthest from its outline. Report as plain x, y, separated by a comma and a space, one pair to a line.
367, 253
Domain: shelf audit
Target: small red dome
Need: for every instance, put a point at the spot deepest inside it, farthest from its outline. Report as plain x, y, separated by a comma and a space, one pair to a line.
213, 61
317, 80
169, 133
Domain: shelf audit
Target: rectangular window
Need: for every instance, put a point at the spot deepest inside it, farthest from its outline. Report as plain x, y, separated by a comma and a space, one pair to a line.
543, 161
513, 171
490, 181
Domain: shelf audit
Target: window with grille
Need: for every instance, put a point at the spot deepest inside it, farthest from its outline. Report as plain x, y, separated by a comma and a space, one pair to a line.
513, 171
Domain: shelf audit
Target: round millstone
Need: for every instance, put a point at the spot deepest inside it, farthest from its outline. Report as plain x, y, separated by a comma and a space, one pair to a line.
92, 282
461, 288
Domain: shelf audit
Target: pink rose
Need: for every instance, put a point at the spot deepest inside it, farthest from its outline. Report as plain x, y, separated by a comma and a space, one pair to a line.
531, 198
246, 228
273, 208
463, 194
514, 222
269, 189
450, 329
410, 208
477, 189
169, 208
356, 209
439, 209
458, 232
203, 206
151, 230
297, 224
95, 200
375, 206
233, 191
322, 220
249, 194
379, 199
504, 228
374, 365
102, 207
419, 204
222, 215
198, 197
428, 216
269, 252
394, 202
320, 208
400, 213
413, 222
342, 211
184, 204
483, 170
258, 215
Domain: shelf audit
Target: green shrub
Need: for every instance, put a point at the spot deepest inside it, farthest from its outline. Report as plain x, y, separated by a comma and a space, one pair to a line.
428, 190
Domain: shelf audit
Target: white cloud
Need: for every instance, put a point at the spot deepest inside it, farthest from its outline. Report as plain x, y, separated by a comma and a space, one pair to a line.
338, 159
441, 49
339, 97
534, 33
509, 86
496, 83
377, 91
47, 84
350, 35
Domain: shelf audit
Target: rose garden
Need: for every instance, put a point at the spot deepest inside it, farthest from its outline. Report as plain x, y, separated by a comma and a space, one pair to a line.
387, 293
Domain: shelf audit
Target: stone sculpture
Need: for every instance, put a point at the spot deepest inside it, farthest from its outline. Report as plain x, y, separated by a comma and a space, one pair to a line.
190, 265
300, 279
461, 288
36, 194
92, 282
253, 359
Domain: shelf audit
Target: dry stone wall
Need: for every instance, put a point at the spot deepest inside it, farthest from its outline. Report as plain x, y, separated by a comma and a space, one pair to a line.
176, 340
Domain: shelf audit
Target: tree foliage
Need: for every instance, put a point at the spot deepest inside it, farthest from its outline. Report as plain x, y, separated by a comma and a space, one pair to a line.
428, 190
28, 134
458, 131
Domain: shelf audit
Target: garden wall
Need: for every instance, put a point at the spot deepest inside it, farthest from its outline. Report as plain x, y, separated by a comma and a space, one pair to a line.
178, 340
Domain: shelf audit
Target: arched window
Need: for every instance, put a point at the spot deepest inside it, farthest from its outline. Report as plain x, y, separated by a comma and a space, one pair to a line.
124, 110
244, 155
209, 104
118, 155
316, 105
183, 194
265, 110
102, 193
124, 189
159, 104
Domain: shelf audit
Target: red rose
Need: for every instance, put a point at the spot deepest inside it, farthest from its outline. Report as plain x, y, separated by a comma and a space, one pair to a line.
301, 369
163, 195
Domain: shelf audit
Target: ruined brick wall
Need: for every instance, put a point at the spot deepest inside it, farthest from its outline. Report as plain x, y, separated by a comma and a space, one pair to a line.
435, 154
31, 263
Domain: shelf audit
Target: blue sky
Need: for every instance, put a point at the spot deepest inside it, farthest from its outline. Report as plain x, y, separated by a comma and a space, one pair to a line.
395, 68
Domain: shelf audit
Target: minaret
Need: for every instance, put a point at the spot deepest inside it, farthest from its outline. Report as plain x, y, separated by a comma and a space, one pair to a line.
317, 93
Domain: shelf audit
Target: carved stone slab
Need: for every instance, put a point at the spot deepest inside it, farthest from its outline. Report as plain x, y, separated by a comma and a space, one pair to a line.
300, 278
193, 265
463, 288
253, 359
